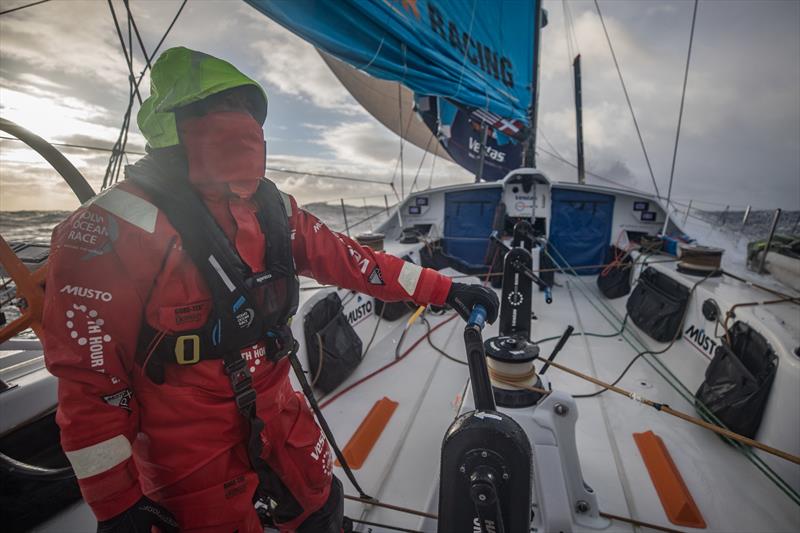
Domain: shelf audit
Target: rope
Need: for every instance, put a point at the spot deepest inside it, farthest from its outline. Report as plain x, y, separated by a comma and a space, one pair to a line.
673, 381
683, 416
627, 98
436, 517
384, 367
514, 379
321, 359
680, 113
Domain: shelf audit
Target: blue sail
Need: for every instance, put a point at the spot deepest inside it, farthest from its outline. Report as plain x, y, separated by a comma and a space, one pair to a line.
476, 53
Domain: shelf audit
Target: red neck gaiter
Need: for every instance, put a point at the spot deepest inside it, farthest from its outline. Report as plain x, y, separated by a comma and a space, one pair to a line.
225, 151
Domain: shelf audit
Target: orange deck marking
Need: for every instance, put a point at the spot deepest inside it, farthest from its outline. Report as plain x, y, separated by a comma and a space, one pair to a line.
365, 437
672, 491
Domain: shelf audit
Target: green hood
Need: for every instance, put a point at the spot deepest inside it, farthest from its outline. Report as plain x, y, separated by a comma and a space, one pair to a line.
180, 77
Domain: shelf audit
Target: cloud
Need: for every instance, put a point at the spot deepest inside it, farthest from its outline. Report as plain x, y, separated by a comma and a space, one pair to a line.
295, 67
62, 74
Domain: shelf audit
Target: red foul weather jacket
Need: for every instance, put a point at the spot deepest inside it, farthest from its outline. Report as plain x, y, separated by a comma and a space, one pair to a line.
116, 262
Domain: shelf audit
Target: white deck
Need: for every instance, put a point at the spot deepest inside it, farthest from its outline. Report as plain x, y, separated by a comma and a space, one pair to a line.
403, 468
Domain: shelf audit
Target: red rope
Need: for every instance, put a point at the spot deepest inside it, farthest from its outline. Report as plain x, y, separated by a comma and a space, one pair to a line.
381, 369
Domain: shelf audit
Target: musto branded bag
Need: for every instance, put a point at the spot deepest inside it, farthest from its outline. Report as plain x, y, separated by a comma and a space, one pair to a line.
333, 346
657, 305
738, 380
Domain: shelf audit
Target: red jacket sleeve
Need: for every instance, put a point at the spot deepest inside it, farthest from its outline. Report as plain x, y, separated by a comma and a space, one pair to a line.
91, 322
336, 259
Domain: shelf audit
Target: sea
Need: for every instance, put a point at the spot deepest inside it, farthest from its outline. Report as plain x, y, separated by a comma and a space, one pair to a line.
37, 226
723, 229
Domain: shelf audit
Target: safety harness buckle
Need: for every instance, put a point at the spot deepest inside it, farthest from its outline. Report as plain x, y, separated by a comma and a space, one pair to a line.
245, 399
241, 382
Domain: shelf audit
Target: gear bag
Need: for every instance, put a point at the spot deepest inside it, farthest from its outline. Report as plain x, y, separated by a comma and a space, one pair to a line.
658, 304
615, 280
334, 348
739, 379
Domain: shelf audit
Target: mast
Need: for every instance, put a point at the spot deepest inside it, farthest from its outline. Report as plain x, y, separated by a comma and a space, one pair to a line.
576, 66
529, 159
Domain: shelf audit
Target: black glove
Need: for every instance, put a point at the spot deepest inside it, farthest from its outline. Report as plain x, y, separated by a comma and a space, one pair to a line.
463, 298
139, 518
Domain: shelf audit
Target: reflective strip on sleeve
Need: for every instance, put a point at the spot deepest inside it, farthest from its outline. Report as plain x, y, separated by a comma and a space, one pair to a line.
409, 277
128, 207
98, 458
287, 203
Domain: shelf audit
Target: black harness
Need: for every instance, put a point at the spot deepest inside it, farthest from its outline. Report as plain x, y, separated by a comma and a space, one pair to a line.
247, 307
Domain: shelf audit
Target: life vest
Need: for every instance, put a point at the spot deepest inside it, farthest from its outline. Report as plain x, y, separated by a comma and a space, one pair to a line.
248, 307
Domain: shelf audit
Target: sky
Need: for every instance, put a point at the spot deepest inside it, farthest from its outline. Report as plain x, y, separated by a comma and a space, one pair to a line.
63, 76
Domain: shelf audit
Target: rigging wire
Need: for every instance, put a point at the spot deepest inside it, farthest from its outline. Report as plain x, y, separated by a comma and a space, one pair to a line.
400, 118
421, 161
680, 113
138, 35
627, 98
19, 8
433, 165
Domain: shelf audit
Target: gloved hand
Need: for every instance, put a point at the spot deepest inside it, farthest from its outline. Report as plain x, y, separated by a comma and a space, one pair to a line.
463, 297
140, 518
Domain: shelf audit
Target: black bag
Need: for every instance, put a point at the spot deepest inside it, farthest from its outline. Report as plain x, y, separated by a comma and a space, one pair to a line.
392, 311
657, 305
738, 380
341, 345
615, 281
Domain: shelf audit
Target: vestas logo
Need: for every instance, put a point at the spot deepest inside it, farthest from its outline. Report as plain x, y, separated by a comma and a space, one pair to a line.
497, 155
83, 292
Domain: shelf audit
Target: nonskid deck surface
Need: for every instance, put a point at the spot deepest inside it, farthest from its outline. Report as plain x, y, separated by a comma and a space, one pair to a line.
402, 469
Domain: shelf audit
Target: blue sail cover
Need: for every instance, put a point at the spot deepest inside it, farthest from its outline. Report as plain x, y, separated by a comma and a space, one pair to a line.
476, 53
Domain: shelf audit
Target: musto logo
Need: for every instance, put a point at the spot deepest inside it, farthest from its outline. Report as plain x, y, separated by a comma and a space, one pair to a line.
83, 292
86, 328
360, 313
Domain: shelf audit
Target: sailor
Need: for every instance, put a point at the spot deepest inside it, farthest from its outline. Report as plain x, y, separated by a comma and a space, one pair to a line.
176, 410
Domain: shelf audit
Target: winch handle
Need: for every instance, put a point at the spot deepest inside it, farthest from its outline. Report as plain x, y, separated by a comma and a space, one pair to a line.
476, 359
561, 342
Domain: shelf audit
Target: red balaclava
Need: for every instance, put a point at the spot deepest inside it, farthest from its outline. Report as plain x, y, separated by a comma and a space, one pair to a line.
226, 155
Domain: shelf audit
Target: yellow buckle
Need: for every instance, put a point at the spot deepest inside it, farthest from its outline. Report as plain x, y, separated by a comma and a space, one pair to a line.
180, 350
